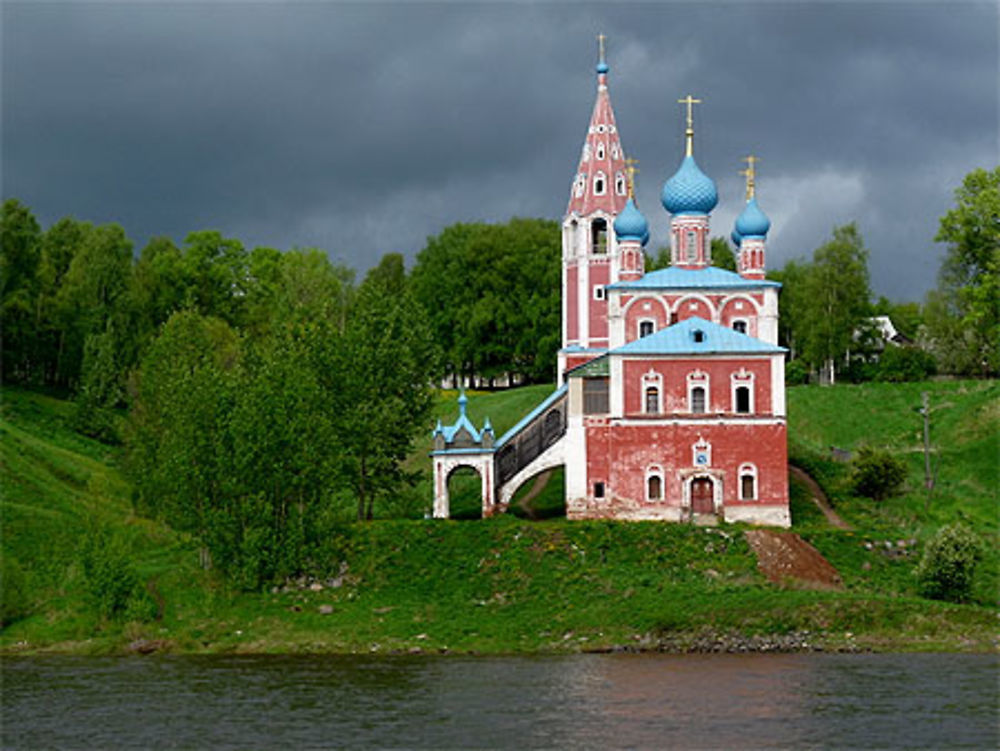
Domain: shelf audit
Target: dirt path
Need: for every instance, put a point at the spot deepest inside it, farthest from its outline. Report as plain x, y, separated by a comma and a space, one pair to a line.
539, 485
818, 497
786, 559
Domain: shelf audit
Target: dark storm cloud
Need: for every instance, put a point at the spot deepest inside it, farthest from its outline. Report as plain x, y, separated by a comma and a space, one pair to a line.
364, 128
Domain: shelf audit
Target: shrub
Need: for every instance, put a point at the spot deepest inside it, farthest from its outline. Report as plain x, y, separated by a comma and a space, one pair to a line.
796, 373
876, 473
111, 580
899, 364
14, 601
949, 563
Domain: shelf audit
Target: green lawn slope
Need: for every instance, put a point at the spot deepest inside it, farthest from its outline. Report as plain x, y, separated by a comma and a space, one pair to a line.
507, 584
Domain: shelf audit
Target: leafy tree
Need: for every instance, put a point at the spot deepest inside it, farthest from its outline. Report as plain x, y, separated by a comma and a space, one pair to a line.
947, 569
964, 313
835, 300
101, 388
19, 256
898, 364
660, 259
384, 364
491, 294
723, 256
792, 307
877, 474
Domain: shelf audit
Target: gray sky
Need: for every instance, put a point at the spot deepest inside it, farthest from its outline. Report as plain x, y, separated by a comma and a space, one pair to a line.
364, 128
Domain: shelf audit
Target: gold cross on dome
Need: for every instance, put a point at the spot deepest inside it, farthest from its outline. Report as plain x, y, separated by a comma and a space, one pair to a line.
689, 133
600, 46
631, 169
689, 101
751, 174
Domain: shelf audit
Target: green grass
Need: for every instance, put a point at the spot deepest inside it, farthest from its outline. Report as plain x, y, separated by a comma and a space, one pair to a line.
507, 584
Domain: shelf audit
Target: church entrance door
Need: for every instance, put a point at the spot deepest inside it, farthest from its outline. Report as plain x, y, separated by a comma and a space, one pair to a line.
702, 492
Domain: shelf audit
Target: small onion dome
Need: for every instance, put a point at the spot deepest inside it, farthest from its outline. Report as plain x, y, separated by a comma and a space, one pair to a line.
736, 237
689, 191
602, 67
631, 224
753, 222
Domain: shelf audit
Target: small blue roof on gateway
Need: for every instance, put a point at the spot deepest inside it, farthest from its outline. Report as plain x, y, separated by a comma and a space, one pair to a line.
696, 336
706, 278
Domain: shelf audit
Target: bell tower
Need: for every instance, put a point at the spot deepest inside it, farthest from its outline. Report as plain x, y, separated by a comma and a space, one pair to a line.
589, 247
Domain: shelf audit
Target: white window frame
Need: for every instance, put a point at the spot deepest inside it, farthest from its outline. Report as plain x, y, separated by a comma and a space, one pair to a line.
581, 184
652, 380
742, 378
656, 471
600, 151
691, 245
599, 293
620, 184
600, 183
748, 470
694, 380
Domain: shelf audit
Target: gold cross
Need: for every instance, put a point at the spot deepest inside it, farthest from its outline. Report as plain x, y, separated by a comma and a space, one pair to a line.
689, 101
631, 169
689, 133
600, 46
751, 174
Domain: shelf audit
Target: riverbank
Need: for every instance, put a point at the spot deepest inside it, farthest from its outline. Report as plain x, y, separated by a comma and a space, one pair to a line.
507, 585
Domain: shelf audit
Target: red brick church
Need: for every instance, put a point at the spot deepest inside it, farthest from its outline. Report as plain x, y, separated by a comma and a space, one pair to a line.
671, 396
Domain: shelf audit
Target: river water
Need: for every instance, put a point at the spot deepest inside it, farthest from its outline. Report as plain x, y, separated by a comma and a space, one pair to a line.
579, 701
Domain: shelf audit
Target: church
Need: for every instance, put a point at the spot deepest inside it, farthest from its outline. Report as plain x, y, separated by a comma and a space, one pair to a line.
670, 401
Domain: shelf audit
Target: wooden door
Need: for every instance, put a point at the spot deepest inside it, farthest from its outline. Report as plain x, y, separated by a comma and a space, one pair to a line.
702, 490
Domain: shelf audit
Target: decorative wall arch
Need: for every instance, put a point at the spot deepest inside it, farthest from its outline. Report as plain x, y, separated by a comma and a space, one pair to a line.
681, 309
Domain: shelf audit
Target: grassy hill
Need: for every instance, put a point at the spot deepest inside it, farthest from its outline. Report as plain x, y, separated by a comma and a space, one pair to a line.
510, 585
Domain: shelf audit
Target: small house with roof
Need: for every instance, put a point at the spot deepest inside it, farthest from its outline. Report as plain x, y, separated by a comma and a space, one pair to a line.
670, 402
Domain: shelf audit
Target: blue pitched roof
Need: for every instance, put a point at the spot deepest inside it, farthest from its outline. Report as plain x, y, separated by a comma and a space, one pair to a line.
706, 278
463, 421
679, 339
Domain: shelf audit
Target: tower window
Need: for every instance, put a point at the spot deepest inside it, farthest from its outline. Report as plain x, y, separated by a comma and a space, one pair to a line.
599, 184
620, 184
692, 246
599, 236
600, 149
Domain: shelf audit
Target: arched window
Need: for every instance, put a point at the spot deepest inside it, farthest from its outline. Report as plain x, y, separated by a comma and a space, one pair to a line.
740, 325
698, 399
620, 184
599, 236
654, 488
600, 184
652, 400
743, 400
600, 149
748, 482
646, 327
692, 246
581, 184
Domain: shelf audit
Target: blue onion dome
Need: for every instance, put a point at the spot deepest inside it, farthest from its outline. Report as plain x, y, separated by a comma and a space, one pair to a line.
753, 222
689, 191
736, 237
631, 224
602, 67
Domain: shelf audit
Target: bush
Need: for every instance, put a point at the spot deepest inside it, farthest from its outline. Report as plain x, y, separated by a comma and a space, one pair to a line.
111, 581
796, 373
949, 563
899, 364
877, 474
14, 601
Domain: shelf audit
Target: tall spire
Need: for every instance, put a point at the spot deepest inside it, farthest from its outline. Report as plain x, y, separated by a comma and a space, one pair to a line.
689, 131
600, 183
